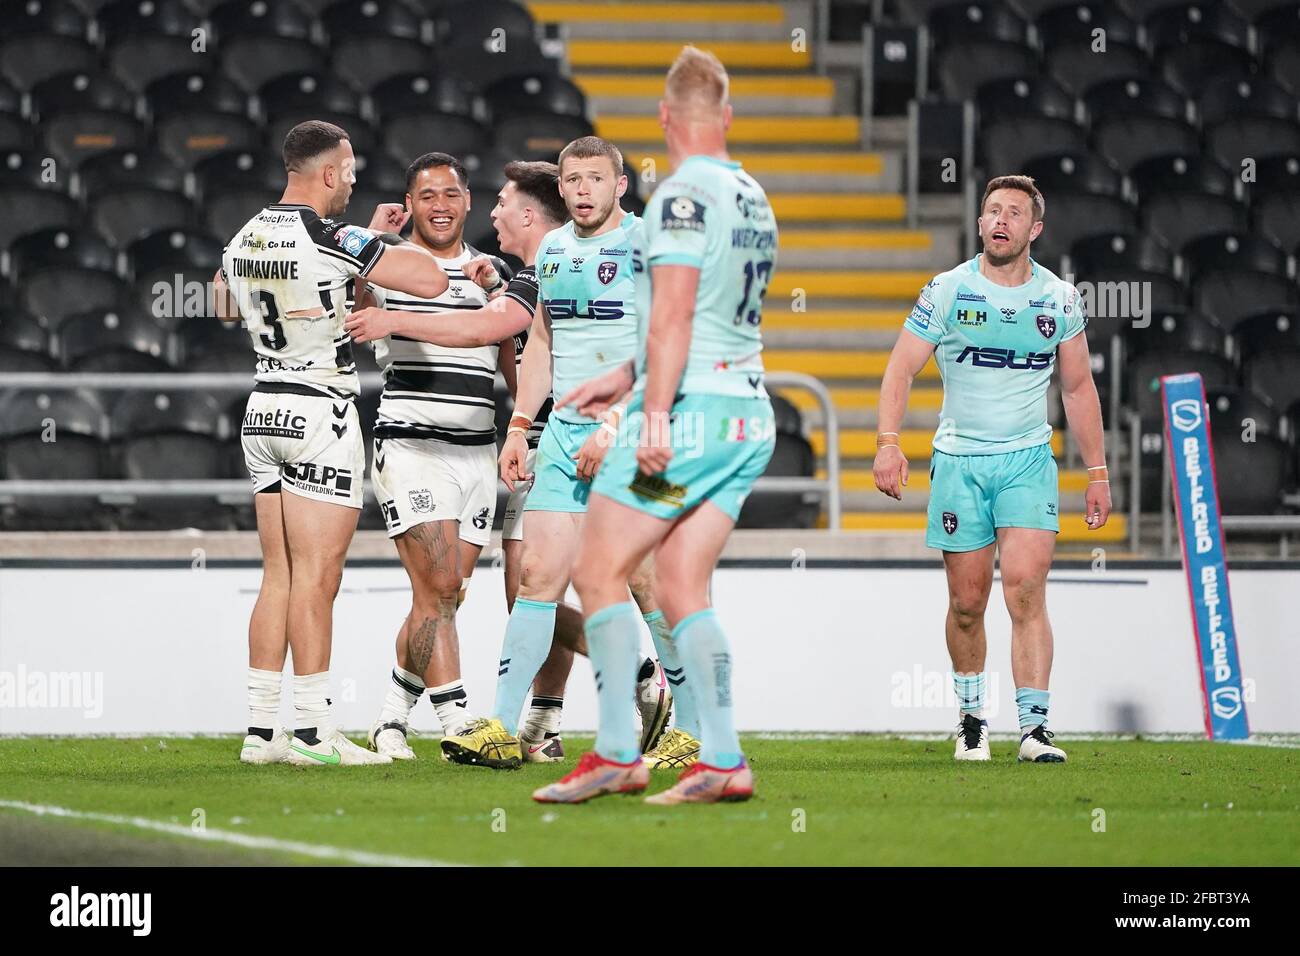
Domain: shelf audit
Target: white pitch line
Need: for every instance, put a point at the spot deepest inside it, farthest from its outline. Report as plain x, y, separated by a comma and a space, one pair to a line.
318, 851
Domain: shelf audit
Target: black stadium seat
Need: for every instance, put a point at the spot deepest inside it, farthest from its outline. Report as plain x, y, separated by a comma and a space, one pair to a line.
233, 186
345, 19
1182, 173
174, 249
11, 98
367, 61
191, 92
29, 209
27, 60
1252, 137
1074, 216
1008, 146
259, 18
538, 136
15, 133
78, 91
78, 452
47, 18
124, 215
73, 137
60, 248
191, 136
1078, 67
1173, 344
30, 168
208, 345
1259, 470
289, 100
54, 293
532, 93
964, 68
24, 343
957, 24
1269, 346
1077, 22
471, 23
480, 66
1121, 251
140, 58
1184, 66
1134, 96
791, 458
1277, 217
1129, 140
172, 18
130, 168
1078, 172
112, 341
254, 60
1235, 251
1178, 218
1018, 96
1236, 411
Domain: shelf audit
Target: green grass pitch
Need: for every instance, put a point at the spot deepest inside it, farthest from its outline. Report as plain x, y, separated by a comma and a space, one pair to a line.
845, 800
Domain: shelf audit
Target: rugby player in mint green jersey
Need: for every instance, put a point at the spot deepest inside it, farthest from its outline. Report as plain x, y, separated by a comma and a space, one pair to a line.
697, 433
996, 325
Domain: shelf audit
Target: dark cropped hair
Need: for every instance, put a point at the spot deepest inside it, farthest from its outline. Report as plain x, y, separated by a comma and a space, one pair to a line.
436, 161
539, 181
308, 140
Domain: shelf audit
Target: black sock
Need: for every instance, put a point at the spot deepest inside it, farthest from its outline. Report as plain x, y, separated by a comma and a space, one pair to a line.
264, 732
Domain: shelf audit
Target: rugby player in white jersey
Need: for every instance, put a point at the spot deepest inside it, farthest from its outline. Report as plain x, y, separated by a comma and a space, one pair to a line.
286, 274
523, 216
434, 468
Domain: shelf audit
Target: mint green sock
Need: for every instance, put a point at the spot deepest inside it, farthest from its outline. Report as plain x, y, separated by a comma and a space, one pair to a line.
614, 646
685, 715
527, 642
707, 657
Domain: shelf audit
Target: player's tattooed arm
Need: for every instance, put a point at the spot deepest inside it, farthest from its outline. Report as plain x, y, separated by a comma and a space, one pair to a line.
910, 354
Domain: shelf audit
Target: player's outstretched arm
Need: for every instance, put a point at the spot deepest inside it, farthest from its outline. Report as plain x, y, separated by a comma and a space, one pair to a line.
501, 318
910, 354
667, 344
533, 386
224, 305
1083, 413
595, 396
408, 268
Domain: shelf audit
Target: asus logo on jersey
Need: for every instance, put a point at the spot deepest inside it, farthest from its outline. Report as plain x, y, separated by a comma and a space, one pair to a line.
1004, 358
596, 309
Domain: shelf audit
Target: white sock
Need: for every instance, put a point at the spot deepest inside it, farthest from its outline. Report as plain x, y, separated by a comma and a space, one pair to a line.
311, 703
543, 718
403, 694
451, 704
263, 699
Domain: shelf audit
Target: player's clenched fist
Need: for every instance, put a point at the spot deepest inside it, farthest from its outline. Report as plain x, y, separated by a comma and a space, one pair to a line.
656, 447
1096, 504
482, 273
890, 470
389, 217
514, 460
366, 325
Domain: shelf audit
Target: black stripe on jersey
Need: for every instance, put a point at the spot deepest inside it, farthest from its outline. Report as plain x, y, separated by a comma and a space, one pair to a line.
424, 305
407, 430
297, 388
412, 363
441, 382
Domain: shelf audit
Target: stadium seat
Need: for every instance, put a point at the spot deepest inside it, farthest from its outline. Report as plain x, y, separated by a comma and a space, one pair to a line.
207, 345
1284, 64
380, 173
253, 61
73, 137
174, 249
239, 170
1129, 140
172, 18
16, 134
289, 100
472, 23
78, 452
964, 68
192, 92
24, 343
346, 19
1276, 216
125, 214
1121, 251
482, 68
1172, 343
1077, 172
259, 18
112, 341
792, 457
367, 61
61, 18
1076, 23
1077, 67
1176, 24
1184, 66
1134, 96
1231, 295
1018, 96
1252, 137
29, 209
119, 169
60, 248
538, 136
1227, 98
139, 59
406, 137
534, 93
11, 98
54, 293
1269, 346
957, 24
1278, 20
26, 60
1074, 216
192, 136
1260, 471
1181, 173
79, 91
1012, 144
1178, 218
1235, 410
1233, 251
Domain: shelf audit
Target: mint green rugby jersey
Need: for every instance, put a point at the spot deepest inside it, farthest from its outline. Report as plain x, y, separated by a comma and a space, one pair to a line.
995, 347
589, 294
711, 214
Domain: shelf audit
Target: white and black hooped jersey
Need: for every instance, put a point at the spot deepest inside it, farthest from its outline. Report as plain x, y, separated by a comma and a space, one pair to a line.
523, 289
431, 391
288, 260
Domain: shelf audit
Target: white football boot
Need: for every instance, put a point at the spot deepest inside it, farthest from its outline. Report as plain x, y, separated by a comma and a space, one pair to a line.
543, 749
1037, 747
258, 751
972, 739
332, 750
654, 704
390, 739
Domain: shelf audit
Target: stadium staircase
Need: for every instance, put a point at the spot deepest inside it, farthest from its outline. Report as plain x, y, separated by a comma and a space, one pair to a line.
848, 268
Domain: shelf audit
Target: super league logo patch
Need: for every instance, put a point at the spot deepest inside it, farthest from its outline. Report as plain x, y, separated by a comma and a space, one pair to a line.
352, 239
949, 522
1046, 325
682, 212
606, 271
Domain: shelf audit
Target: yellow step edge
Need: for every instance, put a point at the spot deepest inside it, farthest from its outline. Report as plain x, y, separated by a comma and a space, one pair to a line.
1072, 532
848, 398
735, 54
744, 129
652, 84
837, 363
918, 479
847, 284
759, 162
873, 320
767, 13
838, 207
917, 443
918, 239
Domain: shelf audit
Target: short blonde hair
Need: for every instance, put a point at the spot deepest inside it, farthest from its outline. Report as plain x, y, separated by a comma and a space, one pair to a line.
697, 77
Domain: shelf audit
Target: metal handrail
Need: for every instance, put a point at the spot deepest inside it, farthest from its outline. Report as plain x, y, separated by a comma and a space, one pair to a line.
828, 487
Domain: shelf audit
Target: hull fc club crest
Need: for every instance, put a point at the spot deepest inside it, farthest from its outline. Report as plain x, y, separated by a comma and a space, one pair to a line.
949, 522
1046, 325
606, 271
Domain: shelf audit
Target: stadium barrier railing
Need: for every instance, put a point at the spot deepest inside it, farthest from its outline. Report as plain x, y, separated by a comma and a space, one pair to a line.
237, 491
